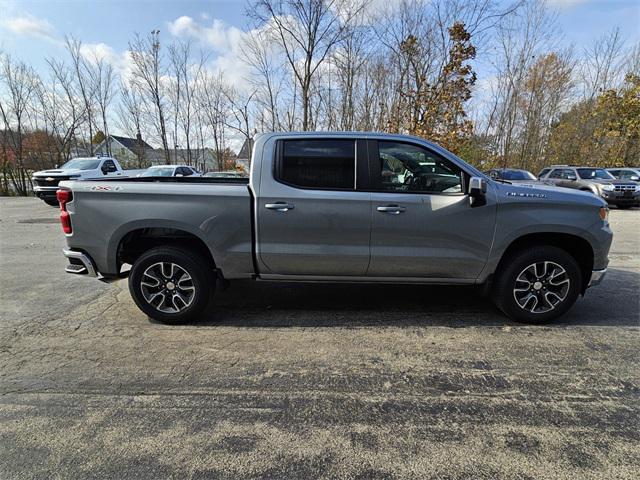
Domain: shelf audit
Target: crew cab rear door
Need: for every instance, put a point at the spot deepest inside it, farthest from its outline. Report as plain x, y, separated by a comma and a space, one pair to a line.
311, 220
423, 225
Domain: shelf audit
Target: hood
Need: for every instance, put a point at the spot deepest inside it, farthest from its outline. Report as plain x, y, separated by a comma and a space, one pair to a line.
612, 182
58, 173
548, 193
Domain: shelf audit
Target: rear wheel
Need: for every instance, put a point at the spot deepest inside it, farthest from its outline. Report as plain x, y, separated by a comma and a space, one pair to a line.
171, 285
537, 285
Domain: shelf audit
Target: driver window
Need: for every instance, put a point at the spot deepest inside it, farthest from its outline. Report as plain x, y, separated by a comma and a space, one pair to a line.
408, 168
109, 166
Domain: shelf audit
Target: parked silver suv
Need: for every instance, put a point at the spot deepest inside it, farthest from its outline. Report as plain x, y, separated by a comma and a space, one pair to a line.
621, 193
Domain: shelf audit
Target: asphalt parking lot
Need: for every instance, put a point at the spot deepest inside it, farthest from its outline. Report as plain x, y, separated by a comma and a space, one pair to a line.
310, 381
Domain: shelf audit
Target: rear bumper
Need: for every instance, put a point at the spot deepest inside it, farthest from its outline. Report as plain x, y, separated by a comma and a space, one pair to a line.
596, 277
79, 263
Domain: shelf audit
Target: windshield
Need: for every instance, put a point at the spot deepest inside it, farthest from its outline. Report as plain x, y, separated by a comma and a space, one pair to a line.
516, 175
81, 164
594, 173
158, 172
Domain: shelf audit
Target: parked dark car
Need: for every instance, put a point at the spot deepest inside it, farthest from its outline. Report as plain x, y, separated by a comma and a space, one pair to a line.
626, 173
513, 175
621, 193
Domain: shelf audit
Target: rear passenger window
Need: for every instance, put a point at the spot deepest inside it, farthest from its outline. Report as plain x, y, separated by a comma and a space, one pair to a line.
323, 164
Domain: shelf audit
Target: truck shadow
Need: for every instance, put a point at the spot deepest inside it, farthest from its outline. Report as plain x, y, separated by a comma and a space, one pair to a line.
275, 305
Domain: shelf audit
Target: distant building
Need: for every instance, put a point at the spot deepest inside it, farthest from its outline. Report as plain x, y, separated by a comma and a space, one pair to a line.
126, 150
244, 155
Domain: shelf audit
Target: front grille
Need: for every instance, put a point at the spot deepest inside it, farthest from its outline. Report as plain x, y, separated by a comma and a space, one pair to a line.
48, 181
624, 188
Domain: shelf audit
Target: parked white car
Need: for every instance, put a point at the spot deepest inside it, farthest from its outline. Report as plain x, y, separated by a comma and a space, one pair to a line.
171, 171
45, 182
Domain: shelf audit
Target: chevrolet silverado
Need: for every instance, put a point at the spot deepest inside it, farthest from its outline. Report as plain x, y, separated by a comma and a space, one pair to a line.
338, 207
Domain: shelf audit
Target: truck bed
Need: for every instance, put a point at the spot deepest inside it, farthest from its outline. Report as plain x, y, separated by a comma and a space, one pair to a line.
106, 212
196, 180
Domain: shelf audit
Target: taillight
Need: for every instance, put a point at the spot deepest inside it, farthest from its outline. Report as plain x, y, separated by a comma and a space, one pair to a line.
64, 197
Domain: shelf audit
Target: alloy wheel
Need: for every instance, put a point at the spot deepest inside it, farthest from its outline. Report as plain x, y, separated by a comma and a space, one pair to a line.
541, 287
167, 287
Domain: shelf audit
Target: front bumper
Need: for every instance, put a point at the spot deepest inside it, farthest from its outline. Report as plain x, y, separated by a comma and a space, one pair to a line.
79, 263
596, 277
45, 192
622, 198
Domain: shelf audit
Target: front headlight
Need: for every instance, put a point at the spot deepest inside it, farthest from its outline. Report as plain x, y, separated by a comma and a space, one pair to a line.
608, 188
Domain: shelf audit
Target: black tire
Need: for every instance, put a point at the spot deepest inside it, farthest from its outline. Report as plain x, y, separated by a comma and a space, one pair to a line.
624, 207
508, 293
174, 293
52, 202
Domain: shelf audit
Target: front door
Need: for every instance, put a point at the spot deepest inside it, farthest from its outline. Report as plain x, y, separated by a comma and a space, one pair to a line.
311, 219
423, 225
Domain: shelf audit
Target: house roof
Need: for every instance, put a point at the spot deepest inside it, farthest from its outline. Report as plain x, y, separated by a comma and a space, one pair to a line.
245, 151
130, 143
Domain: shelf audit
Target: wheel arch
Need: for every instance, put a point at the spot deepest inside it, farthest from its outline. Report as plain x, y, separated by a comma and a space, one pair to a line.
579, 248
135, 242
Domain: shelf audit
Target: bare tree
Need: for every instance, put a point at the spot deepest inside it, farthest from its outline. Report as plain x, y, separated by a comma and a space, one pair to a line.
307, 30
59, 110
103, 79
239, 118
147, 73
602, 66
18, 83
85, 85
130, 117
267, 79
213, 105
185, 74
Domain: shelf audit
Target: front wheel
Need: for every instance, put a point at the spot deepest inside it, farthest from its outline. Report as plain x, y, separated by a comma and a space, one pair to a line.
537, 285
171, 285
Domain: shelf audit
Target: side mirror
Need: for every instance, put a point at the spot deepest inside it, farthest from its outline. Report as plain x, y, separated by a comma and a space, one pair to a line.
179, 175
572, 178
635, 178
477, 191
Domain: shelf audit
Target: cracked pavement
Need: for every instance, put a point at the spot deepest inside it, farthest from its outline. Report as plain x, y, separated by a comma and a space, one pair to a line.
310, 381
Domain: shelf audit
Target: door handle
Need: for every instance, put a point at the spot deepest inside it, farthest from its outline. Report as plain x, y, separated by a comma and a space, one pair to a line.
279, 206
391, 209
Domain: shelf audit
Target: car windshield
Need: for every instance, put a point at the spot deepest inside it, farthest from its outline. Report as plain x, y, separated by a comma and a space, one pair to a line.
81, 164
516, 175
158, 172
594, 174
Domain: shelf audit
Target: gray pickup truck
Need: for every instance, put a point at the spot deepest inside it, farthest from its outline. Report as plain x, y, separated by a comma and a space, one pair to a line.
338, 207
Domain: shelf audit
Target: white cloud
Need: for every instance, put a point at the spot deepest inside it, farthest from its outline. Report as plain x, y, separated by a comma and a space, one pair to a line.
121, 62
28, 25
225, 40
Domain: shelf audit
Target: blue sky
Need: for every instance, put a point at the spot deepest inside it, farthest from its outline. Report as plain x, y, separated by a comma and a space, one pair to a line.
30, 30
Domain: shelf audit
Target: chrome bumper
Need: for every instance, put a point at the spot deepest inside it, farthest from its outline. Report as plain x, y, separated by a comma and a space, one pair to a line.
85, 265
46, 189
597, 276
